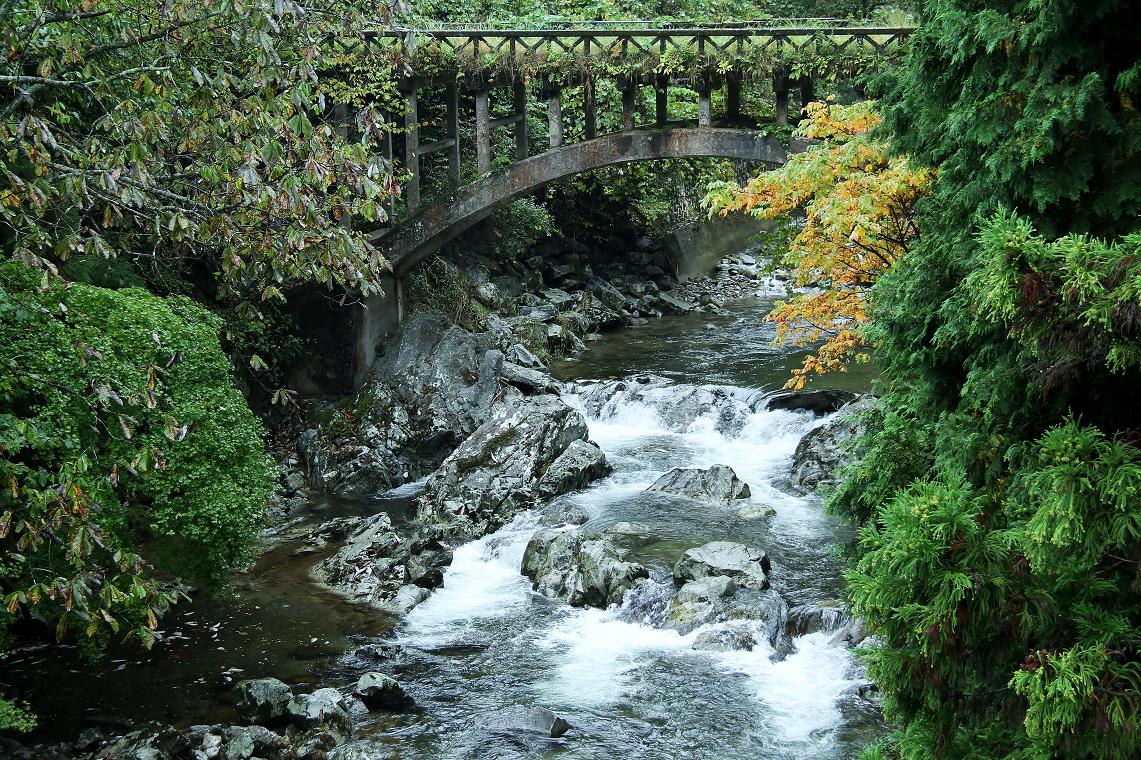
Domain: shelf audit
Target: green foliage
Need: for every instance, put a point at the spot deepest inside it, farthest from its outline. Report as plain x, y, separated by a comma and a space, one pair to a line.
120, 428
516, 227
188, 136
999, 557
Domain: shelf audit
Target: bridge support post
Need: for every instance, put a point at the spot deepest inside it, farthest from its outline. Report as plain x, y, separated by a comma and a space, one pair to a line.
553, 95
780, 88
412, 146
452, 95
590, 123
482, 132
733, 97
807, 92
704, 106
629, 92
521, 147
661, 100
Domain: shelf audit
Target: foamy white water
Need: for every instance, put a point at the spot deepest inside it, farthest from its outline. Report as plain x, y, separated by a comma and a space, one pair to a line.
588, 663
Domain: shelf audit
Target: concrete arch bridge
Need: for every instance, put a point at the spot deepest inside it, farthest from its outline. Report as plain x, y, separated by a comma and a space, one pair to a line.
507, 58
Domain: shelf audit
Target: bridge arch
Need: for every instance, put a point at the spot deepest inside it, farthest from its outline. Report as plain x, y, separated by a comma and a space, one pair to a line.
410, 242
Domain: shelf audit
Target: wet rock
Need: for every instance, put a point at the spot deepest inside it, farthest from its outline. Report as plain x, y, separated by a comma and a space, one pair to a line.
433, 385
370, 567
563, 516
763, 612
379, 651
406, 599
262, 700
496, 472
731, 638
581, 463
717, 484
538, 720
810, 618
518, 354
669, 304
151, 741
630, 533
824, 401
582, 571
240, 747
678, 406
261, 740
821, 452
706, 589
381, 692
324, 708
528, 380
747, 566
756, 512
362, 750
316, 744
850, 635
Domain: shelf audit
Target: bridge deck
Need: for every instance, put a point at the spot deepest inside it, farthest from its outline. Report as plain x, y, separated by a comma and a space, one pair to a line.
625, 37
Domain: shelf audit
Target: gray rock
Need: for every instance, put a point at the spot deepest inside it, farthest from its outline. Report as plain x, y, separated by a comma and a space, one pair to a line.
323, 708
151, 741
717, 484
558, 298
669, 304
317, 743
732, 638
822, 450
262, 700
747, 566
756, 511
538, 720
824, 401
581, 571
260, 739
581, 463
528, 380
381, 692
406, 599
630, 533
810, 618
563, 516
433, 385
706, 589
496, 472
518, 354
370, 567
362, 750
240, 747
850, 635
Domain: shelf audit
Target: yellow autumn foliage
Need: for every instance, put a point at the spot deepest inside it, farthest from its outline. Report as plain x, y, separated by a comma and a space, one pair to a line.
858, 209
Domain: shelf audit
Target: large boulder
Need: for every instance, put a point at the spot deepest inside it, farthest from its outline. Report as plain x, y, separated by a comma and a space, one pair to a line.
151, 741
580, 570
496, 473
575, 468
734, 618
262, 700
745, 565
822, 450
432, 386
324, 708
381, 692
822, 401
370, 567
718, 484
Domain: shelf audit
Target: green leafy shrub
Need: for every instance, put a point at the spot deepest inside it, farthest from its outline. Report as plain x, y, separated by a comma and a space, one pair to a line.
121, 433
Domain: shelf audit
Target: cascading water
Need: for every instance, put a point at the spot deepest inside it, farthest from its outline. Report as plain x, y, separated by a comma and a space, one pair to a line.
627, 685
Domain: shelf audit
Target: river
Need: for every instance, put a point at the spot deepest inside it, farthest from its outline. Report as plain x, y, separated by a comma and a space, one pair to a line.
488, 646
